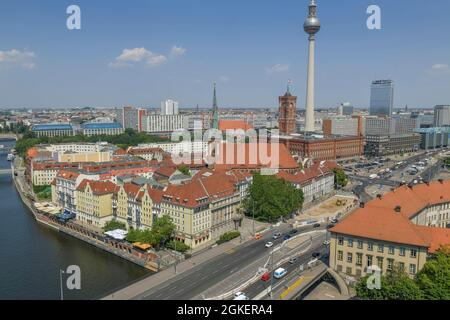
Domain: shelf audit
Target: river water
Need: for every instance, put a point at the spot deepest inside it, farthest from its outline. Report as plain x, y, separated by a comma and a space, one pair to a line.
31, 255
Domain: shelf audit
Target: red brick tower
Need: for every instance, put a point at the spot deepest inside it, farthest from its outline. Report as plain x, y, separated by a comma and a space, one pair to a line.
287, 114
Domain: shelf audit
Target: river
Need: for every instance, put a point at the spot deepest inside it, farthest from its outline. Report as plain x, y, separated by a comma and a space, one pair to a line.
31, 255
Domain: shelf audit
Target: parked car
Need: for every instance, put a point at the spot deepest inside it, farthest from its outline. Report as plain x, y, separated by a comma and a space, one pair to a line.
293, 231
269, 244
286, 237
316, 254
316, 225
331, 225
293, 260
276, 235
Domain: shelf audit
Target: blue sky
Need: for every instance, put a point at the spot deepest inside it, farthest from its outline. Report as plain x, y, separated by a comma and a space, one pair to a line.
178, 48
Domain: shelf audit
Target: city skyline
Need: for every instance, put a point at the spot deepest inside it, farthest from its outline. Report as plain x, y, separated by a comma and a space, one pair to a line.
149, 60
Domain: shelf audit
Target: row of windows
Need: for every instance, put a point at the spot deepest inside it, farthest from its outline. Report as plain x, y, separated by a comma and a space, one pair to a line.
391, 249
370, 261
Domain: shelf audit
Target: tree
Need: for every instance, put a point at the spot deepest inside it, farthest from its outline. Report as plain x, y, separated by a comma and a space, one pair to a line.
162, 230
114, 225
434, 278
184, 170
395, 285
340, 178
270, 198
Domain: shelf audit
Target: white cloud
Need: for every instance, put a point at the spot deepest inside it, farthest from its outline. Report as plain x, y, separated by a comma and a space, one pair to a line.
279, 67
177, 51
131, 57
14, 57
440, 66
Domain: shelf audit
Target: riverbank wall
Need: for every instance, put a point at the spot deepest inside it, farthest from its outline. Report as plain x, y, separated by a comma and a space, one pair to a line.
123, 250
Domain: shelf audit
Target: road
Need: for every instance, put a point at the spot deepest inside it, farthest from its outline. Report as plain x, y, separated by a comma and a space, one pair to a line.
292, 269
364, 182
197, 280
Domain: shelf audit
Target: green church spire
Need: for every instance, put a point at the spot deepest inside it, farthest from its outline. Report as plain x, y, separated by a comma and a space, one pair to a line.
215, 118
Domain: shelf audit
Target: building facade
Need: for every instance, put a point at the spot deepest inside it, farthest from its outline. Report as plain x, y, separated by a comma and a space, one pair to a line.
442, 116
169, 108
381, 145
287, 113
400, 229
96, 129
53, 130
382, 98
163, 124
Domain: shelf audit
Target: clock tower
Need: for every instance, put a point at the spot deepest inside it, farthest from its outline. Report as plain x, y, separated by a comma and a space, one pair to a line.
287, 113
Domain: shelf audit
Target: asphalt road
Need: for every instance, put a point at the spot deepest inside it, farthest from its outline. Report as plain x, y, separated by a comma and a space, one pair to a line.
197, 280
360, 189
260, 286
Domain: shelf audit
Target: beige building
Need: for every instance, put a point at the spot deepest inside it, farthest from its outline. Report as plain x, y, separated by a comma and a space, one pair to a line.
136, 206
94, 202
401, 228
206, 207
71, 157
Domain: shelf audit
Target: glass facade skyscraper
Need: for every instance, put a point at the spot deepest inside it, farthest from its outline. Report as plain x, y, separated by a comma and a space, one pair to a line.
382, 98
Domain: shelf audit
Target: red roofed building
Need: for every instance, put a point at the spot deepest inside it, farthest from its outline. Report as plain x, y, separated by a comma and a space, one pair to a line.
250, 157
400, 228
94, 202
225, 125
205, 208
316, 181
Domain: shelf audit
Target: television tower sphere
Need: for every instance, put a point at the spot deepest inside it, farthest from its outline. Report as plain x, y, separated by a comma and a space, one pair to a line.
312, 23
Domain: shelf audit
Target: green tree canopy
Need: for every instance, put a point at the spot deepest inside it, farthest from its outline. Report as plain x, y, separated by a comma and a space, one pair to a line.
340, 178
271, 198
434, 278
395, 285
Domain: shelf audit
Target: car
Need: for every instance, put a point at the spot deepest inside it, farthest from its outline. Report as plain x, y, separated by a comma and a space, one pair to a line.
240, 296
269, 244
286, 237
279, 273
293, 260
316, 225
293, 231
331, 225
326, 243
316, 254
266, 277
276, 235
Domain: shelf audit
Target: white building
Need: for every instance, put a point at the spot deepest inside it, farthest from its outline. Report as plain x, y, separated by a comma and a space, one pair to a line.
194, 147
161, 123
169, 108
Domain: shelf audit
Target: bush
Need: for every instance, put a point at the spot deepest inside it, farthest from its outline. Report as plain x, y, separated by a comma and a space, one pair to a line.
177, 246
228, 236
114, 225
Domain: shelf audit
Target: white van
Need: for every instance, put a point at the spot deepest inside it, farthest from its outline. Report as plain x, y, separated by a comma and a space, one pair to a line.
279, 273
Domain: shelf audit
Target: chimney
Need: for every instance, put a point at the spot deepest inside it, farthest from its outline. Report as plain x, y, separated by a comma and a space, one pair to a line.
398, 209
362, 205
379, 196
441, 181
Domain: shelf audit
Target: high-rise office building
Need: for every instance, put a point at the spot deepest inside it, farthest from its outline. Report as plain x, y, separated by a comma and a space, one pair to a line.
169, 107
131, 118
382, 98
442, 116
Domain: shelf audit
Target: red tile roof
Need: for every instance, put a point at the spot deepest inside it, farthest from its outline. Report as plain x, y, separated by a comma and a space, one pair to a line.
379, 220
253, 156
97, 187
318, 169
68, 175
234, 125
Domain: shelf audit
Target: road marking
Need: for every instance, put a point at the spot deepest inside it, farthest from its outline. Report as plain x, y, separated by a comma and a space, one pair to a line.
295, 285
